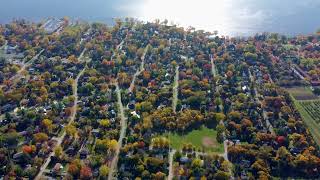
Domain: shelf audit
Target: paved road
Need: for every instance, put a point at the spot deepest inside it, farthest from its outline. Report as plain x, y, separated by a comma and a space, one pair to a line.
264, 113
172, 152
123, 130
26, 65
119, 46
123, 124
139, 71
225, 145
72, 118
174, 106
4, 46
175, 90
297, 73
19, 74
213, 67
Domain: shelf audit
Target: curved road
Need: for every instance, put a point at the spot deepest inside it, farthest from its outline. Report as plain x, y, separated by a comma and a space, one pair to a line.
141, 69
175, 90
72, 118
18, 75
225, 142
174, 106
264, 113
123, 124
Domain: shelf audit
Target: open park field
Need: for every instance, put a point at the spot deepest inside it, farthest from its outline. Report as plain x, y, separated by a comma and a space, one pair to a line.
203, 138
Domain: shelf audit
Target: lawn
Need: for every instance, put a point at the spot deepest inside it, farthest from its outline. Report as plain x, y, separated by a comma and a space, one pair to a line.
203, 138
309, 111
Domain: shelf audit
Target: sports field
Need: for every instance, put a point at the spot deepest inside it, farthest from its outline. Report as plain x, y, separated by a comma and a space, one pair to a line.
203, 138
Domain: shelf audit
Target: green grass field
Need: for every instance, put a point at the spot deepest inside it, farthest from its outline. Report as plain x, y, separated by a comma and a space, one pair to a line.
302, 93
309, 111
203, 138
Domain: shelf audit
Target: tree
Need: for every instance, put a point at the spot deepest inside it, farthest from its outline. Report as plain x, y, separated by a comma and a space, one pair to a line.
250, 48
70, 81
221, 175
220, 116
246, 123
250, 56
73, 169
160, 142
11, 139
14, 69
58, 151
286, 110
218, 102
104, 123
71, 130
2, 97
31, 172
145, 174
54, 85
225, 165
283, 158
260, 165
234, 115
102, 145
27, 149
317, 91
147, 123
187, 118
196, 163
220, 130
73, 58
195, 101
140, 168
47, 123
2, 40
41, 137
37, 161
85, 172
113, 145
43, 91
160, 176
307, 63
104, 171
236, 152
144, 106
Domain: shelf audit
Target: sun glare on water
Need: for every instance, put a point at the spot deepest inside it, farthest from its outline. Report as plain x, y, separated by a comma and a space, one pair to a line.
203, 14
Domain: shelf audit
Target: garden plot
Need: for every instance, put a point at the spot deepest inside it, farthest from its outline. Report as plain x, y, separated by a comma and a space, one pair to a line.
310, 113
313, 109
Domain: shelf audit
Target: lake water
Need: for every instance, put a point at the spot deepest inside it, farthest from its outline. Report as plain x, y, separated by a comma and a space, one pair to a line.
229, 17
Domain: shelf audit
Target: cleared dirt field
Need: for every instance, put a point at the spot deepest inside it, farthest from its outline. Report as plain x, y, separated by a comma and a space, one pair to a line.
208, 142
302, 93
